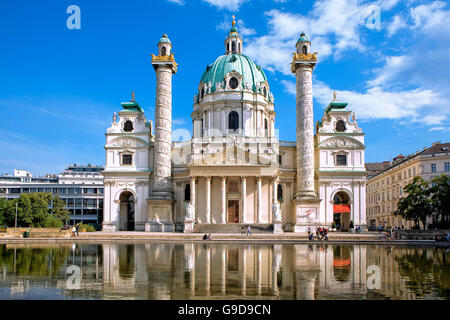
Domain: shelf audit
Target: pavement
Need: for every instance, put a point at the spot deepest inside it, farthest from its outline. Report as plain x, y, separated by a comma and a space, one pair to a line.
133, 236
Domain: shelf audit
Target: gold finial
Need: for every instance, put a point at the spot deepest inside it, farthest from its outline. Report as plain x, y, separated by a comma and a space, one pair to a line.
132, 96
334, 95
234, 20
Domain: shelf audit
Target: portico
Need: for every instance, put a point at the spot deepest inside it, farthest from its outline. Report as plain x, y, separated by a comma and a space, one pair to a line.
236, 198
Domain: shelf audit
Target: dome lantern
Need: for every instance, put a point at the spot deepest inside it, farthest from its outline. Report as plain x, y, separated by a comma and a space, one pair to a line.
303, 44
233, 43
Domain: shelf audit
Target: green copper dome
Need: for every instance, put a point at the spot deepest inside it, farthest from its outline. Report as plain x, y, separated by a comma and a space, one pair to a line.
303, 38
216, 72
164, 39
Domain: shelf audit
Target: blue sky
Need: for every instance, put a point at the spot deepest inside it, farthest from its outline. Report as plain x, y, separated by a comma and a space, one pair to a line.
60, 87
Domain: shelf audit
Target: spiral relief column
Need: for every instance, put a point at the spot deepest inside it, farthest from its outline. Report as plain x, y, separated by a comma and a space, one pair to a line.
306, 200
161, 202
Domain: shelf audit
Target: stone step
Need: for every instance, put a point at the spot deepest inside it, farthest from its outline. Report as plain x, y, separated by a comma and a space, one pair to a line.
233, 228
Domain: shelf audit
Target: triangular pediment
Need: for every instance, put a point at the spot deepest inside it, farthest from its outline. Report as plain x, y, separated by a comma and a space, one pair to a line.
341, 142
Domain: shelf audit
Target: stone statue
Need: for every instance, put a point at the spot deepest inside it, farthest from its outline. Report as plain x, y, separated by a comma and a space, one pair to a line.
115, 117
276, 211
189, 215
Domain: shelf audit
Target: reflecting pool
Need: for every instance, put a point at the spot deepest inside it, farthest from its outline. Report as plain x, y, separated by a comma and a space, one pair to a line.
212, 270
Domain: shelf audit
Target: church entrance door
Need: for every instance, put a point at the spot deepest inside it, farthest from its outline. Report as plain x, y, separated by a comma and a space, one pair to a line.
233, 211
126, 211
341, 211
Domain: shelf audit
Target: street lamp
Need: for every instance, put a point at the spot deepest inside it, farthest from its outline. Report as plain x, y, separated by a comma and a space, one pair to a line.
15, 221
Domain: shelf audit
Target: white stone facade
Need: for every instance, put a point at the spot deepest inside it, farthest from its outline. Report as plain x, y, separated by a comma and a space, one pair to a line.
233, 171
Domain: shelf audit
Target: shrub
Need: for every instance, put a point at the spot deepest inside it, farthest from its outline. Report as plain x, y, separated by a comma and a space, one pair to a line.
86, 228
52, 222
333, 225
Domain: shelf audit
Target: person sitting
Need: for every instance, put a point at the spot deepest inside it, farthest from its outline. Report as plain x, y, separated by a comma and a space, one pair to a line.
209, 236
205, 237
311, 237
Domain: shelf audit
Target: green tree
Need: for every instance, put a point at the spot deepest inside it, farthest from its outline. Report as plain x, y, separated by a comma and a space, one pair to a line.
7, 211
416, 206
39, 206
440, 198
58, 210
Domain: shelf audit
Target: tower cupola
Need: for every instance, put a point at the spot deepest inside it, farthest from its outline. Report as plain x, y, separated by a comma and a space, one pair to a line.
164, 46
303, 44
233, 43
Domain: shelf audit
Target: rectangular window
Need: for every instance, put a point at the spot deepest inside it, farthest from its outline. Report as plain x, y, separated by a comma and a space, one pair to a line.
414, 171
409, 173
127, 159
433, 167
14, 191
447, 166
341, 160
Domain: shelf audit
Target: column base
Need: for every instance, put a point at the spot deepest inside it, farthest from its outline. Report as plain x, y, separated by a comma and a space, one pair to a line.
306, 214
188, 227
277, 227
109, 226
154, 226
160, 213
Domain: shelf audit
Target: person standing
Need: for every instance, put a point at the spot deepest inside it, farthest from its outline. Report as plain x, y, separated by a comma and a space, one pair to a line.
77, 228
249, 231
74, 231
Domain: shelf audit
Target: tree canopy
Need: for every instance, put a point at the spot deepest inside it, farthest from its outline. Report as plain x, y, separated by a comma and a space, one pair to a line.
33, 209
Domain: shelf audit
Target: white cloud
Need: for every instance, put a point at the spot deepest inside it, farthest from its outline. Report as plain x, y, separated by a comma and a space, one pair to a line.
178, 121
439, 129
232, 5
333, 26
180, 2
396, 24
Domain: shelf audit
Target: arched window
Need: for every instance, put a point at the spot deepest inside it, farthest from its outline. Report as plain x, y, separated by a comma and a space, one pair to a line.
233, 121
233, 46
201, 128
163, 51
128, 126
203, 92
340, 126
266, 130
187, 192
228, 47
280, 193
304, 50
239, 46
265, 92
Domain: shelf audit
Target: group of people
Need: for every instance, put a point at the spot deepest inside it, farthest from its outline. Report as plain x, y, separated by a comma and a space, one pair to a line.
321, 233
246, 231
75, 229
207, 236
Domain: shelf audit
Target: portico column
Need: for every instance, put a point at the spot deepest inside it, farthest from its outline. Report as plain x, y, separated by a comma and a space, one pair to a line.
208, 200
244, 272
193, 196
274, 190
224, 200
244, 199
259, 201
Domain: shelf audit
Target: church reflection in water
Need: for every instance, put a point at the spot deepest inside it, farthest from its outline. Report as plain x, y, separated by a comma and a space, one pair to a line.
215, 270
238, 271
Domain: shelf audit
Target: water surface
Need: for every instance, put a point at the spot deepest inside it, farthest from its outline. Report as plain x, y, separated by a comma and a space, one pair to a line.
222, 271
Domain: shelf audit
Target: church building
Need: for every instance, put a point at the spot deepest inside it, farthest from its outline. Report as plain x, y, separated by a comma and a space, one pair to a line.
234, 171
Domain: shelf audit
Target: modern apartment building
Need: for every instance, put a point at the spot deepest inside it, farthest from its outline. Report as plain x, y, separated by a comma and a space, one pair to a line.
385, 188
80, 186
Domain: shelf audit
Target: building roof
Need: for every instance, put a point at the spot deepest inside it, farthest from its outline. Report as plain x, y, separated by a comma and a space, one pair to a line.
251, 73
375, 168
436, 148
